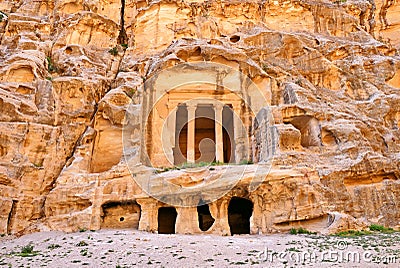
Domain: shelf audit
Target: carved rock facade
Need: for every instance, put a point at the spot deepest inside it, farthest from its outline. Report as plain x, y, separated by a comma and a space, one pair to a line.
71, 71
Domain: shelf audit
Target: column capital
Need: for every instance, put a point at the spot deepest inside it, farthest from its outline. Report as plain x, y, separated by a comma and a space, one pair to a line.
218, 105
191, 106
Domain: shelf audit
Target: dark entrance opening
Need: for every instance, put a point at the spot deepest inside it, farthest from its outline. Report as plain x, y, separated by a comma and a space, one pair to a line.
227, 122
239, 213
166, 220
204, 134
180, 149
205, 218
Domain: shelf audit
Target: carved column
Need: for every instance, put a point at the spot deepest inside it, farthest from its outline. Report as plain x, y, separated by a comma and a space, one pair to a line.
168, 134
219, 144
219, 211
187, 221
191, 108
148, 214
237, 132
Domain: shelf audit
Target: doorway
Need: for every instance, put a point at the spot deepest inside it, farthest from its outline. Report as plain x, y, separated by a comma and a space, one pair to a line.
228, 137
166, 220
205, 218
239, 213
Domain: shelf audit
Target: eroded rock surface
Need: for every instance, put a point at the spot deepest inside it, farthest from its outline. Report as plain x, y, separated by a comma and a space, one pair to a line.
71, 70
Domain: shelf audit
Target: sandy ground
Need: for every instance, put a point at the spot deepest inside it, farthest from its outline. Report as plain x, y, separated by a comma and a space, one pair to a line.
128, 248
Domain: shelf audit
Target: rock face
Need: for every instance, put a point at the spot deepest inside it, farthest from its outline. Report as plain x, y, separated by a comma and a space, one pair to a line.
314, 86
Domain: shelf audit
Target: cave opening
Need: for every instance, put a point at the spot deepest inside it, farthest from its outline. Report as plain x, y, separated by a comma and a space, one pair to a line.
239, 213
309, 128
205, 218
124, 214
234, 38
166, 220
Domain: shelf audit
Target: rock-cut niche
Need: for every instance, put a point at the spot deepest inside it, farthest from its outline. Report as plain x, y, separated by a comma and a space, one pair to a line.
204, 131
166, 220
205, 218
197, 126
120, 215
239, 213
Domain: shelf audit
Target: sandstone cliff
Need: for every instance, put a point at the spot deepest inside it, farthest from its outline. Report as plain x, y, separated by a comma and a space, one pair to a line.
70, 69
